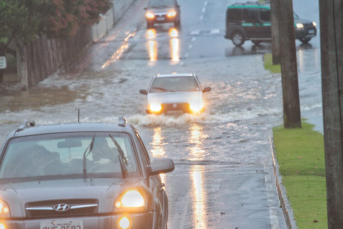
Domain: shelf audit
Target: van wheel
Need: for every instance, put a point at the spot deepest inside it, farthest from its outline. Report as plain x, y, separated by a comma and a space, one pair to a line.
305, 40
238, 38
256, 42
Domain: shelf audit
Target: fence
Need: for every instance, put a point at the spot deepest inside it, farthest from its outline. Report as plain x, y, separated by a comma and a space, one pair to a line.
47, 56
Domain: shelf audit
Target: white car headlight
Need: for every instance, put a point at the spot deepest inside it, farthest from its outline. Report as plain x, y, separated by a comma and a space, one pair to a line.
155, 107
314, 24
131, 200
4, 210
300, 26
196, 107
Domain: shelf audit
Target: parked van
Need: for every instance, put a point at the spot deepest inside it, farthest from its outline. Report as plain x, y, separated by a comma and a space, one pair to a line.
252, 21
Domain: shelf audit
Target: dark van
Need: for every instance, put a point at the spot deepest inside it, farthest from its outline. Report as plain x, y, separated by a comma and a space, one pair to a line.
252, 21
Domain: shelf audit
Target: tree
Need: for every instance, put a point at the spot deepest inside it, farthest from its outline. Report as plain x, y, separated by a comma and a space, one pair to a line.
22, 20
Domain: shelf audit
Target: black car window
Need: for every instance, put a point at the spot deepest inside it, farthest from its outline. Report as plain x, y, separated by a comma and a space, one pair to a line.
265, 15
58, 156
161, 3
250, 15
174, 84
234, 15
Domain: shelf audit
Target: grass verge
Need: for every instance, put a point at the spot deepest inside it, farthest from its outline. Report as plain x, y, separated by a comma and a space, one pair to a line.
300, 153
268, 64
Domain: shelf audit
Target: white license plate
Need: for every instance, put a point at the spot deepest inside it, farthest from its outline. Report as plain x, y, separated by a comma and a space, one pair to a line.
311, 31
67, 224
160, 19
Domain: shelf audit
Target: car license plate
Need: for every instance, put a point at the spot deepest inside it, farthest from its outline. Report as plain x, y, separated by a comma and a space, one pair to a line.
67, 224
311, 31
160, 19
177, 112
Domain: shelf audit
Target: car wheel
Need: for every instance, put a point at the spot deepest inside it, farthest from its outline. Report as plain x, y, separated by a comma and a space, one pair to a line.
238, 38
149, 25
305, 40
256, 42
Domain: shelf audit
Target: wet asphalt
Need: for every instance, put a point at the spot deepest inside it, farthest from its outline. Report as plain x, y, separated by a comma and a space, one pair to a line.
223, 176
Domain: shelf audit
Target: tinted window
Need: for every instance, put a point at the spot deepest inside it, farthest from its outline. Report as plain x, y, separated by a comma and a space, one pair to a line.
234, 14
161, 3
250, 15
172, 84
265, 15
61, 155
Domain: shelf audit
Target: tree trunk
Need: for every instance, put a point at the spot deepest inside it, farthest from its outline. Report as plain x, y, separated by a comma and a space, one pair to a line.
289, 71
275, 14
331, 31
22, 66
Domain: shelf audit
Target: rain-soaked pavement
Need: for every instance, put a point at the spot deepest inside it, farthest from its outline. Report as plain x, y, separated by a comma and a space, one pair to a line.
223, 176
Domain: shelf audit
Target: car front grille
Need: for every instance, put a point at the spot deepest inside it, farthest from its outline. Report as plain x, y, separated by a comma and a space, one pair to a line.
76, 207
176, 107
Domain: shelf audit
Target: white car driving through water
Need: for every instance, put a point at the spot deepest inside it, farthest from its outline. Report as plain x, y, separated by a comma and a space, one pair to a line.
175, 94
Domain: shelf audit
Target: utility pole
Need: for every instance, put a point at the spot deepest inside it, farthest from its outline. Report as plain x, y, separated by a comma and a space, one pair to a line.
331, 33
275, 13
289, 71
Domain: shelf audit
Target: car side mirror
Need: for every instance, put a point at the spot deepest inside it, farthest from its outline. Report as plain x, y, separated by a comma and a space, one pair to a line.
159, 166
143, 92
206, 89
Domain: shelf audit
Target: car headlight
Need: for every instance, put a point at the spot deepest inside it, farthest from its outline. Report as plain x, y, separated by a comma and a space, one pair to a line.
314, 24
196, 107
130, 201
300, 26
150, 15
155, 107
4, 210
171, 14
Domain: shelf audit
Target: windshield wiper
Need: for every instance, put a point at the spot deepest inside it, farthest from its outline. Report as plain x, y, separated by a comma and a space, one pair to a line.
90, 147
122, 159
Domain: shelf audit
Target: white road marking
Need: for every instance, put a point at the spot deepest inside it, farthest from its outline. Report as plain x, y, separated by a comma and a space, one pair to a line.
205, 3
186, 55
203, 10
196, 32
201, 17
215, 31
193, 39
274, 221
190, 46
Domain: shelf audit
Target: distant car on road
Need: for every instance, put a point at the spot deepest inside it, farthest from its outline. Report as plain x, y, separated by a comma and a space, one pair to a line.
175, 94
81, 176
252, 21
163, 11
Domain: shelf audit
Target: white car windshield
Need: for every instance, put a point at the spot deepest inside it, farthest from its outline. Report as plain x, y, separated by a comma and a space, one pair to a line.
161, 3
59, 156
174, 84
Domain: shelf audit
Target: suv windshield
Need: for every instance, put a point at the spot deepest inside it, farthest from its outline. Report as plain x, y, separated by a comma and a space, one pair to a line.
161, 3
60, 156
172, 84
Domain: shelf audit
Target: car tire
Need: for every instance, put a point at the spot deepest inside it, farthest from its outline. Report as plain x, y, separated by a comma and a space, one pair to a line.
305, 40
256, 42
238, 38
149, 25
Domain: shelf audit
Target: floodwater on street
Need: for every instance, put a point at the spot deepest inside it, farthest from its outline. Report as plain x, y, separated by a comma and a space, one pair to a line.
223, 163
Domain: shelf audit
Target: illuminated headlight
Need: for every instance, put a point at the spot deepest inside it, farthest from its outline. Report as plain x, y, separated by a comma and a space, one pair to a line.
130, 201
124, 222
155, 107
150, 15
196, 107
300, 26
314, 24
171, 14
4, 210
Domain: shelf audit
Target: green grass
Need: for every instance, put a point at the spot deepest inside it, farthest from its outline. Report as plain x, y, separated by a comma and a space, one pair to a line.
268, 64
300, 153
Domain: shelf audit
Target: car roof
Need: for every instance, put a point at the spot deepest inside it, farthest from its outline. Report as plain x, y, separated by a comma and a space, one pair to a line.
249, 5
28, 130
175, 75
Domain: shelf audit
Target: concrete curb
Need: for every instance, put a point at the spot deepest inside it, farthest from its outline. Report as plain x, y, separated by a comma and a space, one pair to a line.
284, 202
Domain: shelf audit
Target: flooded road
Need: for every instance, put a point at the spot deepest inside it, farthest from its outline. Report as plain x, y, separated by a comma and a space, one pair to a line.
223, 176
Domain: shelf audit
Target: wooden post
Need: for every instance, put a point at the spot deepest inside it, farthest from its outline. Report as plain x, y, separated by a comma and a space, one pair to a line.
289, 71
275, 14
331, 32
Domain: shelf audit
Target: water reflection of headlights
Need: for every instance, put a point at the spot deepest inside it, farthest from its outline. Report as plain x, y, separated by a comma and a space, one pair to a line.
155, 107
196, 107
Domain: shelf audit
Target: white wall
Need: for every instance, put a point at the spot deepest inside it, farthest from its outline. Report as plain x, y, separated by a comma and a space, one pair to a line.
110, 18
